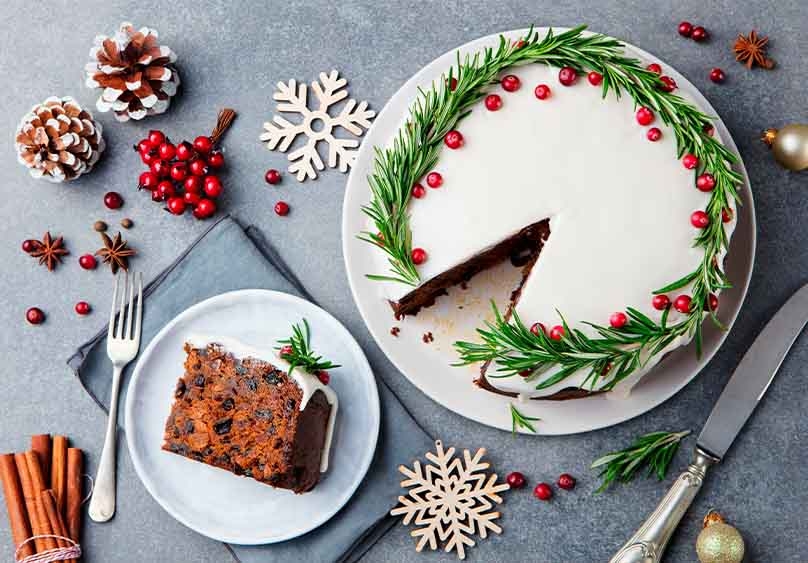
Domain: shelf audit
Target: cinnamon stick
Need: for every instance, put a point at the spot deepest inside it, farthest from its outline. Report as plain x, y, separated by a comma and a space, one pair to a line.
36, 483
44, 522
58, 479
29, 495
55, 519
41, 444
15, 503
75, 496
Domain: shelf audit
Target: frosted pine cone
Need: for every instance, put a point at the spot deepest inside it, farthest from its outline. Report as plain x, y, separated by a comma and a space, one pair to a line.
58, 141
136, 73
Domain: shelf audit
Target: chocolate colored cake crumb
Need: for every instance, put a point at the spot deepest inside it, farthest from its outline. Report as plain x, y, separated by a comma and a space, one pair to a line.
428, 337
395, 331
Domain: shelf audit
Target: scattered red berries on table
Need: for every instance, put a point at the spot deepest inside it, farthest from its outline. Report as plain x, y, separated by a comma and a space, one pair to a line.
418, 256
595, 78
542, 491
699, 219
655, 68
282, 208
699, 34
653, 134
83, 308
567, 76
618, 319
557, 332
682, 304
516, 480
493, 102
717, 75
705, 182
685, 29
35, 316
272, 176
418, 191
29, 245
434, 180
453, 139
690, 161
645, 116
510, 83
542, 91
566, 481
661, 302
88, 261
113, 200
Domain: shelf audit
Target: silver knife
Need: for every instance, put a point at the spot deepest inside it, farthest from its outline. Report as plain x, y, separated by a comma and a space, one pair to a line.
740, 397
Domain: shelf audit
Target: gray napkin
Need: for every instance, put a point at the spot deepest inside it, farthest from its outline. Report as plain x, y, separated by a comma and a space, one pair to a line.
225, 258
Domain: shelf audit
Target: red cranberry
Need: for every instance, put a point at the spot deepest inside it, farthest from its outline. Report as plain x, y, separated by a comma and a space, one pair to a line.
178, 172
113, 200
203, 144
717, 75
143, 146
175, 205
83, 308
566, 481
595, 78
35, 316
712, 302
511, 83
699, 34
185, 151
645, 116
418, 256
536, 328
156, 196
453, 84
212, 186
204, 209
653, 134
272, 176
668, 84
216, 160
29, 245
542, 491
567, 76
149, 157
453, 139
197, 167
655, 68
690, 161
160, 168
147, 180
156, 138
282, 208
542, 91
493, 102
708, 129
705, 182
682, 304
699, 219
192, 184
167, 151
618, 319
557, 332
685, 29
726, 215
323, 376
661, 302
516, 480
191, 198
88, 261
434, 180
418, 191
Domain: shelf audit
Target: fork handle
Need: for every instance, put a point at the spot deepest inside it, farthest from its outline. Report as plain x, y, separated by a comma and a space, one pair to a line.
102, 503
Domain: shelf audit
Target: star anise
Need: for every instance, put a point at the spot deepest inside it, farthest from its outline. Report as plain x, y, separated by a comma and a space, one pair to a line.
115, 252
751, 51
49, 251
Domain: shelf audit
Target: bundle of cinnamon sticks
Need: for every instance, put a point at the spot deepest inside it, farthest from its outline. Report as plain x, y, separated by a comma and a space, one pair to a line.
43, 492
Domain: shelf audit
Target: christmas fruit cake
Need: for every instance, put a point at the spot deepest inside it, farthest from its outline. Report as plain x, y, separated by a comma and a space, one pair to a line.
589, 170
253, 413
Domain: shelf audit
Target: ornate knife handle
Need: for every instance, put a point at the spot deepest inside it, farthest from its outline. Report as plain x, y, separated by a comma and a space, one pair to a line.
648, 544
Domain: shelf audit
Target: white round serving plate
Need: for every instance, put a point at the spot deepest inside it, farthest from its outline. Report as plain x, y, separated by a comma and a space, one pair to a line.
217, 503
456, 316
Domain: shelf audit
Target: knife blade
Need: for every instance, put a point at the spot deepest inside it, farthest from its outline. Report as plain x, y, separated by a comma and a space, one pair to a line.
738, 400
753, 375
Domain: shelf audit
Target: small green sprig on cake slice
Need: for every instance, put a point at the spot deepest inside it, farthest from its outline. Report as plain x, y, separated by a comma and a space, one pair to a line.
296, 350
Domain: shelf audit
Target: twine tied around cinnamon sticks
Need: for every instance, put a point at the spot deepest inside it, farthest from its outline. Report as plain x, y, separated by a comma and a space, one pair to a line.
73, 551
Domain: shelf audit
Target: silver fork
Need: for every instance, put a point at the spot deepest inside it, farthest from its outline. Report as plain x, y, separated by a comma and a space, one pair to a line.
123, 341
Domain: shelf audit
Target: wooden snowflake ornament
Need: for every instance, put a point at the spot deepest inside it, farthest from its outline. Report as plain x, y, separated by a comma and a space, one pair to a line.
451, 499
317, 125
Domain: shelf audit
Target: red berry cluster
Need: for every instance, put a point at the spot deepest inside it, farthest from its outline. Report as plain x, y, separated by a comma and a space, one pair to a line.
182, 175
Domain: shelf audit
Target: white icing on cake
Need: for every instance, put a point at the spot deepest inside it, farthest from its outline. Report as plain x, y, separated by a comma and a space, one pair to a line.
309, 384
618, 204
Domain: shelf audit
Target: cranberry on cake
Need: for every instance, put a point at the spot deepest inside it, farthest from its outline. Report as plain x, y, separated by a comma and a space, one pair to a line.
621, 235
256, 413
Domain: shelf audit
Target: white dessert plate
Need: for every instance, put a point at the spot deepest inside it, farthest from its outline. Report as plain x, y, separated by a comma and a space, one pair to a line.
212, 501
457, 315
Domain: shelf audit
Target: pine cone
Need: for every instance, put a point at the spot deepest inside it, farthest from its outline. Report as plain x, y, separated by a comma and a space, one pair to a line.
136, 73
58, 140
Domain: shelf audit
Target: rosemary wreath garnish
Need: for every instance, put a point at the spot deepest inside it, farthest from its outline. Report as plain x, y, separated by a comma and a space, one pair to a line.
296, 350
519, 420
654, 450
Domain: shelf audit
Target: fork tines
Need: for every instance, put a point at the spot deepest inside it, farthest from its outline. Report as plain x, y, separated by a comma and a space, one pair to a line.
124, 309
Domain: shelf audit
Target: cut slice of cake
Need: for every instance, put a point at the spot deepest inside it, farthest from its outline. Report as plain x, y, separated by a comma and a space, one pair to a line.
249, 412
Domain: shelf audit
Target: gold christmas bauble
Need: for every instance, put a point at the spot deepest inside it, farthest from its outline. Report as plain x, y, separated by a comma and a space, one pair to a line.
719, 542
789, 145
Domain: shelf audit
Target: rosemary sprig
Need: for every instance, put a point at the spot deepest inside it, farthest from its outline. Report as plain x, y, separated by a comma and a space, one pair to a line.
519, 420
654, 450
297, 351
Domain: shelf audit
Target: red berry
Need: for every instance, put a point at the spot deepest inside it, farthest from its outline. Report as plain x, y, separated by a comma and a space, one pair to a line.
682, 304
668, 84
149, 157
511, 83
192, 184
595, 78
167, 151
542, 91
418, 191
272, 176
418, 256
178, 172
83, 308
216, 160
191, 198
712, 302
434, 180
645, 116
165, 190
203, 144
653, 134
538, 327
113, 200
699, 219
566, 481
323, 376
453, 139
516, 480
88, 261
567, 76
690, 161
286, 351
185, 151
453, 84
685, 29
726, 215
557, 332
155, 196
717, 75
493, 102
29, 245
618, 319
708, 129
526, 373
175, 205
705, 182
699, 34
197, 167
212, 186
35, 316
143, 146
282, 208
542, 491
147, 180
655, 68
204, 209
156, 138
661, 302
160, 168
